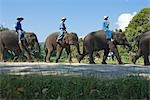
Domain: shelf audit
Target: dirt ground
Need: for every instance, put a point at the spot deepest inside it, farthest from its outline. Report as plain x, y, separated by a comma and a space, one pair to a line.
96, 70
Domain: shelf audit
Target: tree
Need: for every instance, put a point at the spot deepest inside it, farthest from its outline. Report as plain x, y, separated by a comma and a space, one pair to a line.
2, 28
139, 24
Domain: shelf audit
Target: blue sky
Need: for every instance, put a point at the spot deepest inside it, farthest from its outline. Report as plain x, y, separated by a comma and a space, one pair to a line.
83, 16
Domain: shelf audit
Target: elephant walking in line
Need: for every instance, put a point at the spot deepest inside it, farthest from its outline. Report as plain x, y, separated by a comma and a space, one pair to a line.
9, 41
143, 41
51, 45
96, 41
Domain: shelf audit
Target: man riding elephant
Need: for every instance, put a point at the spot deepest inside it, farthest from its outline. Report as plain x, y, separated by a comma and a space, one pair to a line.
108, 33
51, 45
62, 29
96, 41
9, 41
20, 31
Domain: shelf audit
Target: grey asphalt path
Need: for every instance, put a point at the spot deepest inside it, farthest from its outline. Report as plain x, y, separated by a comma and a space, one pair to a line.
96, 70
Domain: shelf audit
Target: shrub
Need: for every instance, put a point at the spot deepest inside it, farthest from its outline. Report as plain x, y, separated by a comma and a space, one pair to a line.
71, 87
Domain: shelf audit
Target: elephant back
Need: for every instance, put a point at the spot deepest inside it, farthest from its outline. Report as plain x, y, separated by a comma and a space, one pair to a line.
9, 39
51, 40
52, 37
96, 35
95, 40
142, 36
8, 35
144, 39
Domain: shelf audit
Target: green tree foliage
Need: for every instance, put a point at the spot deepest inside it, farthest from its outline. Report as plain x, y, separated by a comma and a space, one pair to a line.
139, 24
2, 28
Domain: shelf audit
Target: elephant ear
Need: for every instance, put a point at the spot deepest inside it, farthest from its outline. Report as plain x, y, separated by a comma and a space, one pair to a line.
66, 38
74, 35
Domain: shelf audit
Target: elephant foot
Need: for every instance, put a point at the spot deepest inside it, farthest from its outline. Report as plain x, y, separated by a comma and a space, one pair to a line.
133, 60
30, 60
2, 61
147, 64
15, 59
70, 61
79, 58
120, 62
56, 61
47, 61
92, 62
104, 62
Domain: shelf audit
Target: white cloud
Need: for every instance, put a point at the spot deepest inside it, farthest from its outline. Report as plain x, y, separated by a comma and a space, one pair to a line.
124, 19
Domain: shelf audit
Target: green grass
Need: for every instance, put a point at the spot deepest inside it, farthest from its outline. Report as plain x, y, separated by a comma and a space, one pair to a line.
71, 87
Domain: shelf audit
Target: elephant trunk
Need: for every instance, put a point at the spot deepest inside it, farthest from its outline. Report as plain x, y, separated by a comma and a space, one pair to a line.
37, 47
129, 47
78, 48
81, 56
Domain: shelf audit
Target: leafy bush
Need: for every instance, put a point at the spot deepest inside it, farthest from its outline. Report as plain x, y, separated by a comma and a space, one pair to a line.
69, 87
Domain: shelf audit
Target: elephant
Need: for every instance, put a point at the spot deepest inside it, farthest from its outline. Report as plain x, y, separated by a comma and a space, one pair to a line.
143, 42
96, 41
9, 41
51, 45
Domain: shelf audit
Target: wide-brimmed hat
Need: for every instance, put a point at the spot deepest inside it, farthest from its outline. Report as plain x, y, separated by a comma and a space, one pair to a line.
63, 18
20, 18
105, 17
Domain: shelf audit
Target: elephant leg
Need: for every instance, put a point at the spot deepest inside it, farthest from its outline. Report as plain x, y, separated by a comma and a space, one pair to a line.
137, 56
69, 54
25, 50
1, 56
114, 49
48, 55
146, 59
28, 55
91, 61
59, 51
17, 53
106, 51
80, 57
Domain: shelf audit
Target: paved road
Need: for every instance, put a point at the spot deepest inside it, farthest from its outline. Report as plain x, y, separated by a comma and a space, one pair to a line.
97, 70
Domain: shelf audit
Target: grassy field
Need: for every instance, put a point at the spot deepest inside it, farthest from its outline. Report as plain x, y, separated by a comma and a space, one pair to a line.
62, 88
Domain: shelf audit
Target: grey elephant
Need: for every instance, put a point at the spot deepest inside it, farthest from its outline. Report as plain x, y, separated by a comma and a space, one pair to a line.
143, 41
9, 41
96, 41
51, 45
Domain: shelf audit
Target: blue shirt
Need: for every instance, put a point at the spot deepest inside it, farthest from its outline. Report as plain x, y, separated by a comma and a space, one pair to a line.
62, 26
18, 26
106, 29
105, 25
